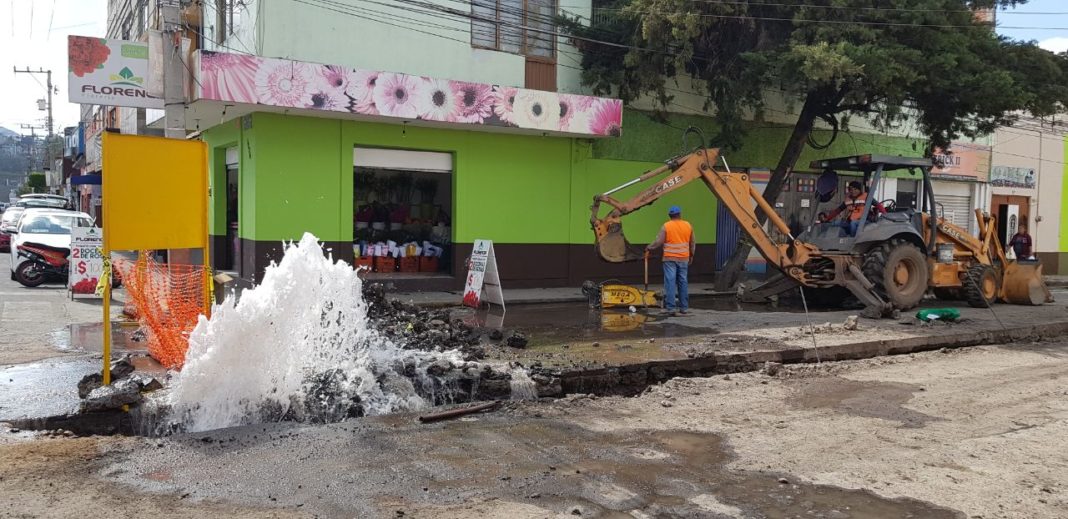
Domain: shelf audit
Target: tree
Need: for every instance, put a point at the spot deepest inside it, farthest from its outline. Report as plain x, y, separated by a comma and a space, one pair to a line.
929, 61
35, 183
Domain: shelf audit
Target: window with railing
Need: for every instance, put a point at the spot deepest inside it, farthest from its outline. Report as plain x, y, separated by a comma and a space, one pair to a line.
524, 27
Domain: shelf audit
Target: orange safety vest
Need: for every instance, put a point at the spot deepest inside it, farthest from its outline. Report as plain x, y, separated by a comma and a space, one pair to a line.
856, 207
677, 235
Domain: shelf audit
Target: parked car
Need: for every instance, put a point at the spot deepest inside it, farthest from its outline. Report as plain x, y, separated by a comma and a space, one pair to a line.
50, 227
8, 222
42, 201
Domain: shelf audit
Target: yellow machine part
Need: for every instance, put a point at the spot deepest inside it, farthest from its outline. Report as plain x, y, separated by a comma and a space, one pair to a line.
622, 322
624, 295
1022, 284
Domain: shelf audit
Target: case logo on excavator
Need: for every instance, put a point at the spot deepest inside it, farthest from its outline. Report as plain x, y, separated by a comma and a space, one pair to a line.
668, 184
951, 232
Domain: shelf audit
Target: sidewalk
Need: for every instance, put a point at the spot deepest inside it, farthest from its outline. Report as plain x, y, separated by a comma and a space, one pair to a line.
526, 296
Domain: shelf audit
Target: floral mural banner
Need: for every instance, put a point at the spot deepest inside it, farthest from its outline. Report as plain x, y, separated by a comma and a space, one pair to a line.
108, 72
239, 78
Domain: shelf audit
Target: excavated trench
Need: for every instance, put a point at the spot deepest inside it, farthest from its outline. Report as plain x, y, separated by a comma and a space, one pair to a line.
482, 368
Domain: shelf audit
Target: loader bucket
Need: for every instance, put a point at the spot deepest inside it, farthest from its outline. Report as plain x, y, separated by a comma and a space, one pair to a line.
613, 247
1022, 284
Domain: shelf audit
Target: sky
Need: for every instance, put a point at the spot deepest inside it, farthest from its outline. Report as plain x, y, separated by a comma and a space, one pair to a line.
1042, 27
34, 33
27, 43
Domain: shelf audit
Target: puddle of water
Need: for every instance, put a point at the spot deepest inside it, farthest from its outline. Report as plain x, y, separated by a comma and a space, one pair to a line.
89, 337
884, 400
661, 473
554, 324
42, 389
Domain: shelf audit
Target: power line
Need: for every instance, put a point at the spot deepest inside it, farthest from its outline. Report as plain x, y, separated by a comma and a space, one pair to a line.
832, 22
844, 7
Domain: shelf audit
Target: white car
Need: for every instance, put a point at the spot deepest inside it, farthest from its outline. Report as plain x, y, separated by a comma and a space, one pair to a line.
49, 227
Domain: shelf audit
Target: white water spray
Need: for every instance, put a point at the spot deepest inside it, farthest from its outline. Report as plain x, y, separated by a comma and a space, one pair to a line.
299, 340
522, 386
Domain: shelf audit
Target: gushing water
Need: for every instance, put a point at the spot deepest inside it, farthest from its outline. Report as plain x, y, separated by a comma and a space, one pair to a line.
522, 386
298, 344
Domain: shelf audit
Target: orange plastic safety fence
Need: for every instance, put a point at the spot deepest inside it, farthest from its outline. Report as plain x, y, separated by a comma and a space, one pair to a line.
167, 300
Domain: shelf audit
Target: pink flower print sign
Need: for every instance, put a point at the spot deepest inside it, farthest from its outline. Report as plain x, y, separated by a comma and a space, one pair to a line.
238, 78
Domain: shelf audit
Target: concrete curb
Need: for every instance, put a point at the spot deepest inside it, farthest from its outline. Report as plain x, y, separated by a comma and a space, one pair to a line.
633, 378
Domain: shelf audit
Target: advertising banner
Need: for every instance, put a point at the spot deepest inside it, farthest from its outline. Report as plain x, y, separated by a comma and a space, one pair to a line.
483, 281
108, 72
1008, 176
86, 260
962, 161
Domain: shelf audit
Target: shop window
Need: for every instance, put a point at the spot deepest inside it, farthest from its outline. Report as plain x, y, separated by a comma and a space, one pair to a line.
403, 204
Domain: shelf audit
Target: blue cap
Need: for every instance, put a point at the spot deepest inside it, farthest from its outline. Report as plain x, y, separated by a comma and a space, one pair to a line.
675, 210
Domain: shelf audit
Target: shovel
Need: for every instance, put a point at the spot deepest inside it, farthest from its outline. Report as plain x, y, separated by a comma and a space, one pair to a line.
646, 272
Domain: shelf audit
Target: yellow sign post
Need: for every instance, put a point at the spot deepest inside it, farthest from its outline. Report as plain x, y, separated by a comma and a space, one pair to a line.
155, 196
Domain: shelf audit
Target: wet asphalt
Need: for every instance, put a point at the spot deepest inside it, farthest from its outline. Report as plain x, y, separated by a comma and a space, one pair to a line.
394, 466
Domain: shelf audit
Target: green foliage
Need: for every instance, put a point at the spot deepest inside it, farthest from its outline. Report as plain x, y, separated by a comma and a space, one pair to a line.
926, 59
35, 183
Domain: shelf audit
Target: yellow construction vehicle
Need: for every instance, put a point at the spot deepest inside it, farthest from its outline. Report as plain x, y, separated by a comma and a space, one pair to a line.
889, 264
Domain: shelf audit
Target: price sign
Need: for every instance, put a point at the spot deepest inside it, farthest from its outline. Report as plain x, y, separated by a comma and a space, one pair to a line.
86, 260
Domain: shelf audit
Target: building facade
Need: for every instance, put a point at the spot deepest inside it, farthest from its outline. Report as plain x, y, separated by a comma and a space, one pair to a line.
499, 142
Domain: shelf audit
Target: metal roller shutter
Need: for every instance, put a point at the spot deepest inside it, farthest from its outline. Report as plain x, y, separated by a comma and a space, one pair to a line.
958, 209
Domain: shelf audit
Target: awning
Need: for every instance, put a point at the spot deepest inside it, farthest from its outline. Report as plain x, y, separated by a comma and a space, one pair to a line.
85, 179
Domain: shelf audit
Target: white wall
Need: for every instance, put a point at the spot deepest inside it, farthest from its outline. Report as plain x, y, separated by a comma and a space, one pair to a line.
360, 34
1034, 146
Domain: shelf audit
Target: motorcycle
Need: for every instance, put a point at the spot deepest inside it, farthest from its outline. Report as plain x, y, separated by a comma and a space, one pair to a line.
42, 262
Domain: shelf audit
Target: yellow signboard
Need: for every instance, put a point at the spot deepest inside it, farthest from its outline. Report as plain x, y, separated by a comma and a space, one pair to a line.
155, 193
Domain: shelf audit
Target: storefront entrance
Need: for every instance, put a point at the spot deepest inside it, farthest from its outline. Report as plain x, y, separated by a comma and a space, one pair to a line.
403, 207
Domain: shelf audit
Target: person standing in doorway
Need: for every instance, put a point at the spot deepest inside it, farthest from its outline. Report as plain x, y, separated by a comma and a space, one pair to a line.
1021, 243
676, 237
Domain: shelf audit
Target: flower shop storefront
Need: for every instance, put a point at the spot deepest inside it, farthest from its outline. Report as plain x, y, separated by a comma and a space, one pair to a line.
403, 173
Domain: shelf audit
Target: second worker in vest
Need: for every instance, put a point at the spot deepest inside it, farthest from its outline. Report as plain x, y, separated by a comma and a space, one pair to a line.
676, 237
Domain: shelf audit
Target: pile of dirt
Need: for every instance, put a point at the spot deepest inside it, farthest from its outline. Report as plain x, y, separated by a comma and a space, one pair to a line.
416, 328
413, 327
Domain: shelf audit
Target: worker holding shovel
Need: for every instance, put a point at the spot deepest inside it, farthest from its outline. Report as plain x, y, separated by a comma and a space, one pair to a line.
676, 237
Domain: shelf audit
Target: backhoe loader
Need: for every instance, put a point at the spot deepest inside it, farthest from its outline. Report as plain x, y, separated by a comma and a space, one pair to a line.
891, 262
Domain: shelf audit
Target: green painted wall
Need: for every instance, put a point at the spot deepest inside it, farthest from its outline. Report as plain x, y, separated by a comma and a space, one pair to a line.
296, 176
219, 139
296, 173
645, 139
507, 188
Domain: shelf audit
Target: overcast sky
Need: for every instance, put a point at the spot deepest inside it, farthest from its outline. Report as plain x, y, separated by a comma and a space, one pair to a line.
34, 33
27, 42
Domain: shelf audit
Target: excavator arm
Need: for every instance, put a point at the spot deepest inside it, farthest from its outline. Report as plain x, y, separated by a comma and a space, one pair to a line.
734, 191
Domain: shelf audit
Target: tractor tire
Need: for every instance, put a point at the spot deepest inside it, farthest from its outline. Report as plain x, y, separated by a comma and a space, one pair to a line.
948, 294
981, 286
898, 269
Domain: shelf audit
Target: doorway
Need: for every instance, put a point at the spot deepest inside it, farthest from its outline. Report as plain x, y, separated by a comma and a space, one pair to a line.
403, 207
232, 257
1011, 210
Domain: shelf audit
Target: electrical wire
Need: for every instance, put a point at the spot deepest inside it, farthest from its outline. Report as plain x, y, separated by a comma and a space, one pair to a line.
843, 7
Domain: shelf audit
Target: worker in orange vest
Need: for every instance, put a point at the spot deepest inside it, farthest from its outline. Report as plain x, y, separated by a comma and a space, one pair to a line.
853, 206
676, 237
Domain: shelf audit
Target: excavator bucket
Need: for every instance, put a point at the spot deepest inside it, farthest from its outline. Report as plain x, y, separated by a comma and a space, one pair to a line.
1022, 284
613, 247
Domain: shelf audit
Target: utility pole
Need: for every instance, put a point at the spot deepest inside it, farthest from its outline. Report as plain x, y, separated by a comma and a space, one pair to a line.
174, 70
48, 121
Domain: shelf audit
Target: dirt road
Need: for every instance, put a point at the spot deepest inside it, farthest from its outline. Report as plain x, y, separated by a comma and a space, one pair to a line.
967, 433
